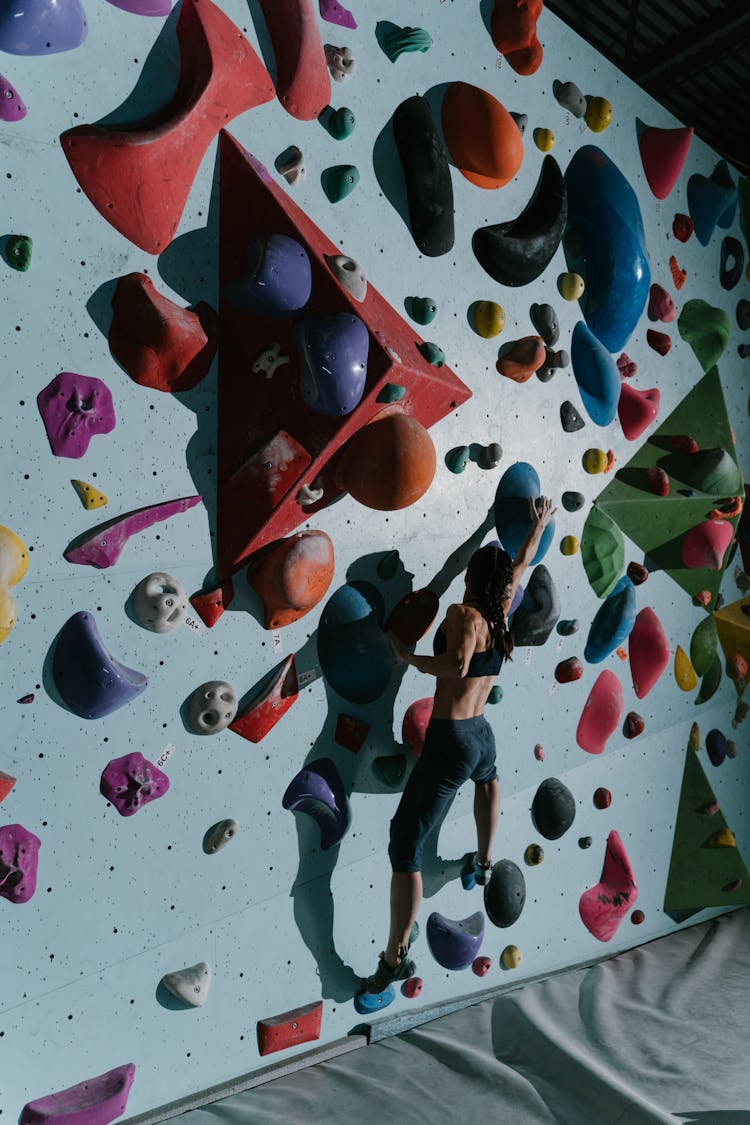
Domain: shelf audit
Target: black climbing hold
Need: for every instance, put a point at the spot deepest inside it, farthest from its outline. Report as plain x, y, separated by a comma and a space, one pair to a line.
570, 419
544, 319
505, 894
553, 809
539, 610
427, 173
573, 501
568, 628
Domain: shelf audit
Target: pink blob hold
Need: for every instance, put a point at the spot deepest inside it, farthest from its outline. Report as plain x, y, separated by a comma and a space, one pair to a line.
660, 304
333, 12
603, 907
704, 546
19, 852
663, 153
539, 752
73, 409
412, 987
637, 410
11, 103
414, 726
601, 714
648, 649
626, 366
144, 7
131, 782
480, 966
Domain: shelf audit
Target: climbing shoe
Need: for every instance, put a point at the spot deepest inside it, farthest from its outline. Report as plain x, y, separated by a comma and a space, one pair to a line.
386, 974
481, 871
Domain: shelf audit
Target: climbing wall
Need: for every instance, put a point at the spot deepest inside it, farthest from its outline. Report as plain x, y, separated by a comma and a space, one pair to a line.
239, 831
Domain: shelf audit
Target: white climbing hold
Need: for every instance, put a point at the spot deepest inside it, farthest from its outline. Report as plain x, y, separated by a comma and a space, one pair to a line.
160, 602
341, 62
349, 274
190, 985
308, 495
269, 361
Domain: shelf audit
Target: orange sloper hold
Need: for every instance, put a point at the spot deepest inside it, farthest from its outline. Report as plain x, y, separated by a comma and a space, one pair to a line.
514, 33
388, 464
601, 714
663, 153
522, 359
160, 344
139, 179
483, 139
291, 576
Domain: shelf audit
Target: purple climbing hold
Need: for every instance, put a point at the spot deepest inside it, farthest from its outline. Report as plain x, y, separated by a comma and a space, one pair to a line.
73, 409
332, 350
131, 782
732, 262
90, 682
19, 851
11, 103
319, 791
41, 27
455, 944
716, 747
102, 545
97, 1101
333, 12
276, 278
144, 7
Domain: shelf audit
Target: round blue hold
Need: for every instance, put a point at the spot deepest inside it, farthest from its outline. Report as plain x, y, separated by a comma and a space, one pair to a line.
517, 486
613, 622
368, 1002
596, 374
276, 277
332, 351
354, 653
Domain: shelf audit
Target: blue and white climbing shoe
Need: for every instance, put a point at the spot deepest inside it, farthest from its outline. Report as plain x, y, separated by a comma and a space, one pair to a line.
482, 871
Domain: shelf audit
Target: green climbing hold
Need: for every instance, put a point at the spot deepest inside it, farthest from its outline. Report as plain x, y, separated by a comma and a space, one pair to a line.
711, 470
703, 646
706, 329
390, 769
398, 41
339, 181
18, 252
457, 459
340, 122
388, 565
421, 309
710, 682
432, 353
391, 392
602, 551
496, 694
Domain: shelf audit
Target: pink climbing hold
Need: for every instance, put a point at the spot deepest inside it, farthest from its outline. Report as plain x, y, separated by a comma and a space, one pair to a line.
603, 907
333, 12
11, 103
648, 650
19, 856
412, 987
637, 410
130, 782
704, 546
539, 752
663, 153
601, 713
97, 1101
658, 481
414, 726
101, 546
626, 366
480, 966
660, 304
74, 408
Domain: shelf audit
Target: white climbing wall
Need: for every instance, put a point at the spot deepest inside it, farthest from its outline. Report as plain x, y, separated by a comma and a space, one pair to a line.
120, 902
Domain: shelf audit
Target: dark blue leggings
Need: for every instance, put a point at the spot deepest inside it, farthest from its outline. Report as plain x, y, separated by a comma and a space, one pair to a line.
454, 751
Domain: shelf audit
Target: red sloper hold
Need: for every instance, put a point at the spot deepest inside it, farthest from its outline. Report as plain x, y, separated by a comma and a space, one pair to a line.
704, 546
412, 616
414, 725
648, 649
6, 784
663, 153
682, 227
248, 517
637, 410
659, 341
292, 576
513, 31
567, 671
601, 714
351, 732
301, 1025
157, 342
603, 907
139, 179
276, 695
303, 84
210, 604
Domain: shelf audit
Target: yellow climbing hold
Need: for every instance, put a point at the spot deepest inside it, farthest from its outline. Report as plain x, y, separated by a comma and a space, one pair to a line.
544, 139
14, 562
595, 461
534, 855
569, 545
724, 838
694, 741
510, 958
489, 319
598, 114
570, 286
90, 497
684, 672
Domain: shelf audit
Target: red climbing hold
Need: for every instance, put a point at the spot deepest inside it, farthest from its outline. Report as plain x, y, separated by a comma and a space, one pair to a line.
303, 84
603, 907
301, 1025
602, 798
514, 34
276, 695
523, 358
6, 784
679, 276
649, 651
663, 153
414, 726
659, 341
412, 987
637, 573
704, 546
410, 619
660, 304
658, 481
601, 714
682, 227
351, 732
569, 670
210, 604
634, 725
637, 410
683, 443
480, 966
637, 917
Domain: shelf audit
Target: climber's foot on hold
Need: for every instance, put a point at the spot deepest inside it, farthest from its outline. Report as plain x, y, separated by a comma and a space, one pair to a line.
482, 871
386, 973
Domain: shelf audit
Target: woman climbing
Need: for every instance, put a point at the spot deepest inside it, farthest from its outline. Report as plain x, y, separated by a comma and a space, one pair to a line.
469, 648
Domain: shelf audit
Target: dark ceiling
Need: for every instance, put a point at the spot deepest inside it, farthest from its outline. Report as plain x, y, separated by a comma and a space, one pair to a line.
693, 56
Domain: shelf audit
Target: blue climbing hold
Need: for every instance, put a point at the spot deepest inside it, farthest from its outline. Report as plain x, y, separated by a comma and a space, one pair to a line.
613, 622
517, 486
354, 653
455, 944
596, 374
332, 351
319, 791
368, 1002
712, 201
91, 683
275, 279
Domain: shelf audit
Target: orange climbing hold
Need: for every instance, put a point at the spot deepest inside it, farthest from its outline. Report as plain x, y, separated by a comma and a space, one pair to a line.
483, 139
210, 604
679, 276
514, 34
522, 359
292, 576
388, 464
728, 510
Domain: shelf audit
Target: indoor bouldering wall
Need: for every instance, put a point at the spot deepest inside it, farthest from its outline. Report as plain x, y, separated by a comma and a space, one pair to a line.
264, 387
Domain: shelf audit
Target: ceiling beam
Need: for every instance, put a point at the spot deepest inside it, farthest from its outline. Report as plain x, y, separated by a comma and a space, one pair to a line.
700, 45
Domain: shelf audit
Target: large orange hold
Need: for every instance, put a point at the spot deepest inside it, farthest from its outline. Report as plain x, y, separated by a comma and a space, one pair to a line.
292, 576
483, 139
388, 464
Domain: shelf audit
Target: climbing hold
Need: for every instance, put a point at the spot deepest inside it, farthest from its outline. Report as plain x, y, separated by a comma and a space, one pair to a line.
73, 409
339, 181
480, 966
716, 747
722, 838
684, 672
704, 546
388, 464
351, 732
390, 769
157, 342
97, 1101
102, 546
710, 682
291, 165
612, 623
12, 108
365, 1003
300, 1025
684, 443
663, 154
397, 41
682, 227
457, 459
159, 603
570, 286
569, 545
432, 353
422, 309
211, 707
29, 698
679, 276
518, 485
488, 319
742, 314
341, 62
603, 907
504, 894
553, 361
658, 481
534, 855
412, 616
637, 573
513, 30
601, 713
585, 842
522, 358
637, 410
712, 200
89, 680
567, 671
414, 725
42, 27
538, 612
539, 752
332, 350
19, 246
354, 652
489, 456
732, 262
269, 701
732, 749
703, 645
553, 809
598, 115
219, 835
131, 782
510, 958
389, 392
659, 341
210, 604
544, 319
270, 360
333, 12
19, 859
14, 562
318, 791
626, 366
341, 123
602, 551
517, 252
594, 461
573, 501
455, 944
482, 138
544, 139
596, 374
6, 784
602, 798
427, 174
710, 470
706, 329
660, 304
292, 576
89, 496
728, 510
634, 725
191, 985
521, 120
648, 650
412, 987
568, 95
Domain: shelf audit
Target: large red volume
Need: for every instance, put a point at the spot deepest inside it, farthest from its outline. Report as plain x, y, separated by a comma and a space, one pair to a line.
254, 412
139, 179
303, 84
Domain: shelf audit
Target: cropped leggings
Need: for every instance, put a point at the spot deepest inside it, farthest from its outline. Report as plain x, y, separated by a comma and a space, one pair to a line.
454, 751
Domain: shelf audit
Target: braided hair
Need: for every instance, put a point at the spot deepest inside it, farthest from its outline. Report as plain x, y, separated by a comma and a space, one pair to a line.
489, 574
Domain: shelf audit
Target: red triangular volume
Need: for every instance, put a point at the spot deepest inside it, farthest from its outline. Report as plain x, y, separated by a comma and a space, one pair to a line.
663, 153
257, 412
275, 696
139, 179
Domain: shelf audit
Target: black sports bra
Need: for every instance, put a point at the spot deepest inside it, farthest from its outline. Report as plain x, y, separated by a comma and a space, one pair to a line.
487, 663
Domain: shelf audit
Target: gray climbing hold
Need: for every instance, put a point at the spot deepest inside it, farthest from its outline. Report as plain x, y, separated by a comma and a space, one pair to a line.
570, 419
349, 275
544, 319
553, 809
505, 894
190, 985
570, 97
490, 456
211, 707
553, 362
568, 628
160, 603
742, 312
573, 501
521, 120
309, 495
219, 835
